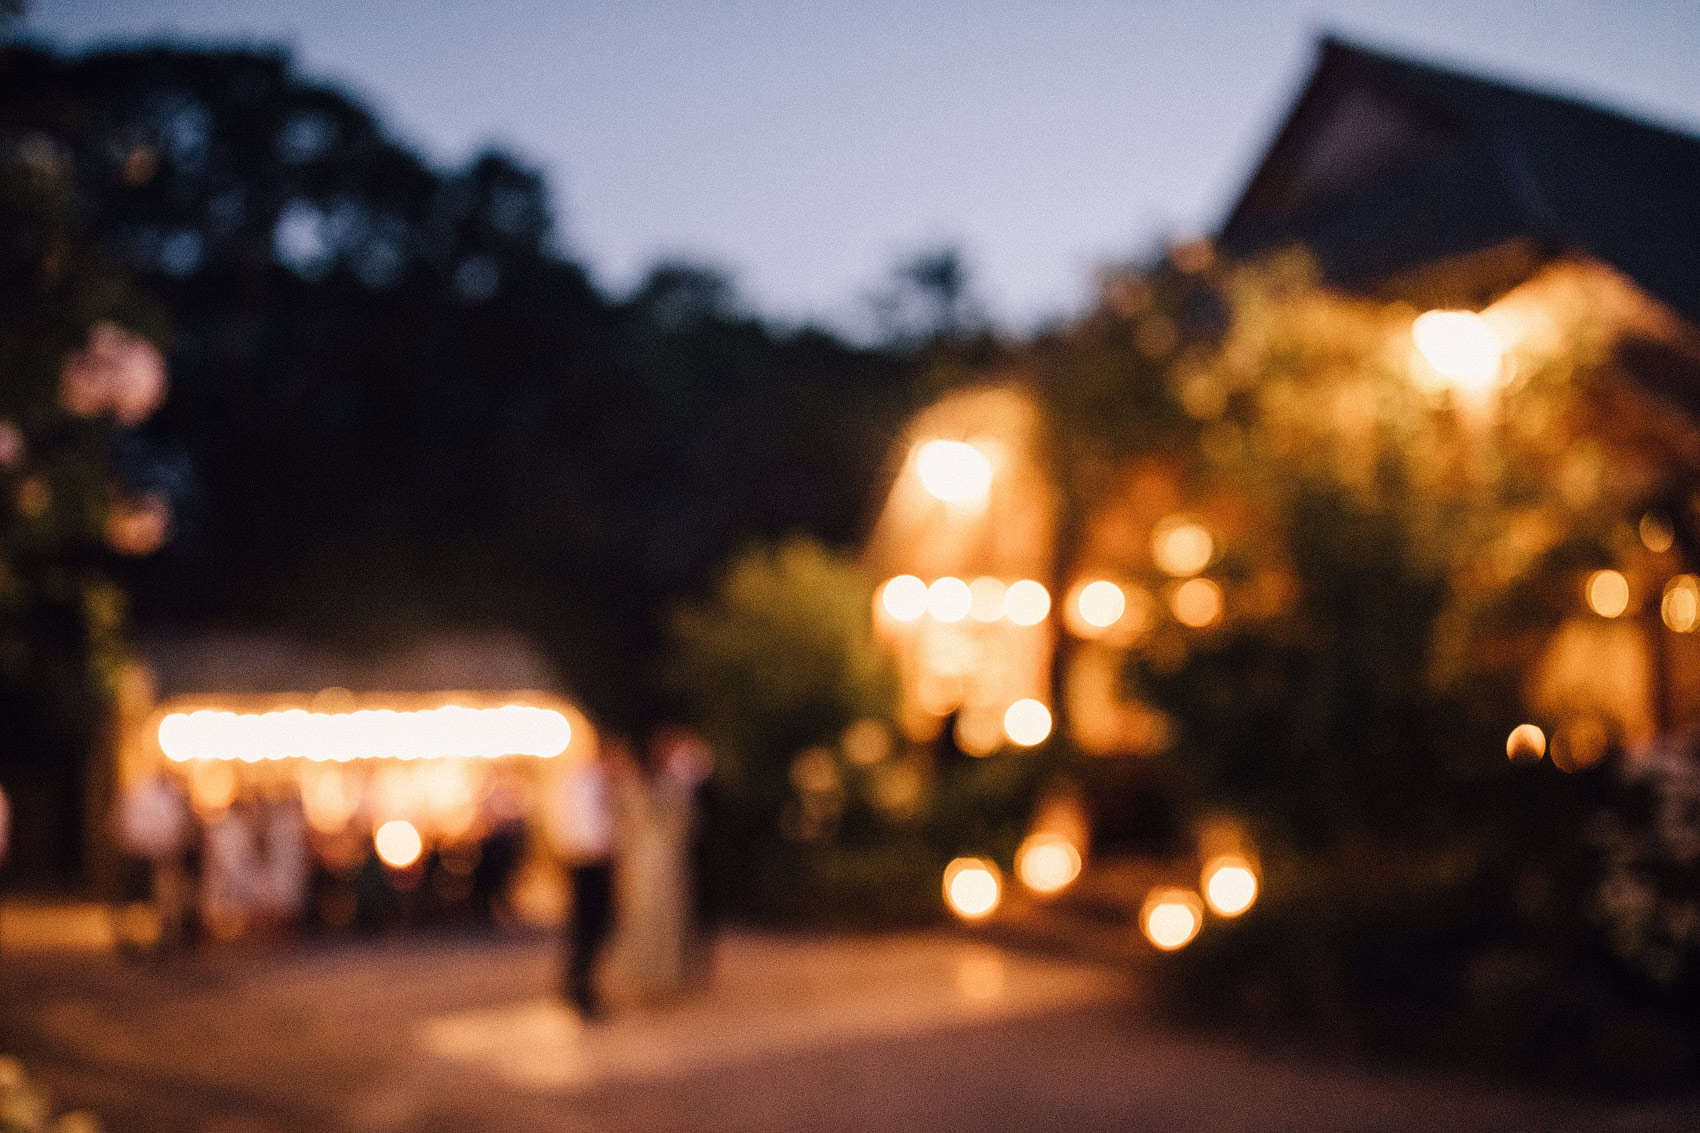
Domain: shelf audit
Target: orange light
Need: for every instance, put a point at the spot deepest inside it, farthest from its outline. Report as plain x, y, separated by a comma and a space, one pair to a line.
1196, 603
1047, 863
1096, 606
1680, 605
904, 598
1027, 722
954, 472
398, 843
1170, 918
1608, 593
986, 599
1026, 602
1181, 546
1525, 744
949, 599
972, 887
1461, 350
1229, 884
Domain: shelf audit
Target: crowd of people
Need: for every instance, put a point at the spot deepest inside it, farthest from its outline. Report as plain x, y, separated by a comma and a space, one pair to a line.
623, 831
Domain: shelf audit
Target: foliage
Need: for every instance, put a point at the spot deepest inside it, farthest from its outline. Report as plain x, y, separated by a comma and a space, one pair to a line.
1393, 557
399, 401
75, 492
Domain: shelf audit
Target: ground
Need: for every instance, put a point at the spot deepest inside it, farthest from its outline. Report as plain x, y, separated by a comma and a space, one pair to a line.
936, 1031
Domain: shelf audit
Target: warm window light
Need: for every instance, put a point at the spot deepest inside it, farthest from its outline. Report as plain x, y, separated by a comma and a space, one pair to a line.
1027, 722
1099, 605
398, 843
1230, 885
1196, 603
1461, 348
1608, 593
904, 598
1181, 546
1680, 606
295, 733
972, 887
948, 599
1047, 863
954, 471
1525, 744
1026, 602
1170, 918
985, 599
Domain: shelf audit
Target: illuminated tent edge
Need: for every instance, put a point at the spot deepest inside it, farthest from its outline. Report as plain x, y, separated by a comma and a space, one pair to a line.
334, 725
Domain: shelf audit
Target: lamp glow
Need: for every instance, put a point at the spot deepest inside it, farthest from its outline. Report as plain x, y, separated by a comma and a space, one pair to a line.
1230, 885
1461, 348
398, 843
1047, 863
972, 888
1170, 918
954, 472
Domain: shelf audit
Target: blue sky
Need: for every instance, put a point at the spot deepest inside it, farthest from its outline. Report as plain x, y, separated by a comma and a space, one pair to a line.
807, 146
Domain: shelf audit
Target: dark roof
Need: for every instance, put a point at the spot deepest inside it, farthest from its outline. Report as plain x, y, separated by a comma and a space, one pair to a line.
1385, 164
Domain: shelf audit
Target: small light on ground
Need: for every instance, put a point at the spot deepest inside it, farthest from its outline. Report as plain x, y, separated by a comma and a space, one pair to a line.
1047, 863
972, 887
1230, 885
1171, 918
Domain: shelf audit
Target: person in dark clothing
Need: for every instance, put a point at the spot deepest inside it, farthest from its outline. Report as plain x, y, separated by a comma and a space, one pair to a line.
582, 822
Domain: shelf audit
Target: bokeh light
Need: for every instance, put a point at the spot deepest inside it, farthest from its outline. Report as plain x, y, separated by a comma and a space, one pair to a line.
904, 598
1180, 546
1196, 603
1230, 885
1096, 606
1027, 722
1656, 533
985, 599
1526, 744
1026, 602
1680, 606
1170, 918
1461, 348
380, 733
949, 599
954, 472
1047, 862
972, 887
398, 843
1608, 593
1579, 744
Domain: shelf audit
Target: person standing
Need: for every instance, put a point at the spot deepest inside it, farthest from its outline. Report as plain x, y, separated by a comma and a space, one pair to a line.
583, 827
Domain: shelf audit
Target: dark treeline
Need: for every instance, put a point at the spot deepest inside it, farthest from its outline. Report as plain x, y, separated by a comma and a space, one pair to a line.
397, 403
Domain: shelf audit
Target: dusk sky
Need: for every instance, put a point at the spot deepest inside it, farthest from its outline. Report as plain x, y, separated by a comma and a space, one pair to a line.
807, 147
